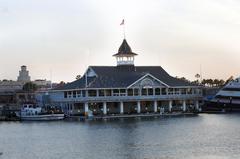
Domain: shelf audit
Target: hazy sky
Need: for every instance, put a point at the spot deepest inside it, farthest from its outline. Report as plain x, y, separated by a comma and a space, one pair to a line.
65, 36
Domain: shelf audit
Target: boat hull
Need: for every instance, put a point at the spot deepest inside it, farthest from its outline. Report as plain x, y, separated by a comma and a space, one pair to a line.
221, 106
47, 117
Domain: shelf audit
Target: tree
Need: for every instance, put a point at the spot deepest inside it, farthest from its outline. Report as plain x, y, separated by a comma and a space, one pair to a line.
78, 77
210, 82
216, 82
197, 76
30, 87
204, 82
221, 82
61, 84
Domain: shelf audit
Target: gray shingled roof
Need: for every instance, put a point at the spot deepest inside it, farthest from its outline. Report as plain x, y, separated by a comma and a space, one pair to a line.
123, 76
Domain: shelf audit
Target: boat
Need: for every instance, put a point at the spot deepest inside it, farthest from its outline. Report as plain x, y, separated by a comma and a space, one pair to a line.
227, 98
31, 112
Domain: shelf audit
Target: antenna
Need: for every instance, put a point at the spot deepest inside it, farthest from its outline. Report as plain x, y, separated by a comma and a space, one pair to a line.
86, 73
51, 78
201, 73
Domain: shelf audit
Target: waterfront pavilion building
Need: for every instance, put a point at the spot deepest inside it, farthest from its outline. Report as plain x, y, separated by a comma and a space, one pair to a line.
126, 89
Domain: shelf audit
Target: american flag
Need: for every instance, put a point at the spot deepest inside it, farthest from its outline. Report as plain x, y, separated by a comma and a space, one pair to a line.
122, 23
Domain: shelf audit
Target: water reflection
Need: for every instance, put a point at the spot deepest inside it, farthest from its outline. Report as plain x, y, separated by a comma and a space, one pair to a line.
205, 136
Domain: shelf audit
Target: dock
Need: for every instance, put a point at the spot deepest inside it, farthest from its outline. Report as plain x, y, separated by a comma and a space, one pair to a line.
126, 116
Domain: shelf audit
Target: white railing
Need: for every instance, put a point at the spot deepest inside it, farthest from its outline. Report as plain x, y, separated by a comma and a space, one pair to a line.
133, 98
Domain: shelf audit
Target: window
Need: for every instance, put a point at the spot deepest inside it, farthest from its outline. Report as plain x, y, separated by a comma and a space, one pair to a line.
79, 93
83, 93
116, 92
65, 94
164, 91
74, 94
144, 91
157, 91
101, 93
130, 92
69, 94
108, 92
136, 92
92, 93
122, 92
170, 91
176, 90
150, 91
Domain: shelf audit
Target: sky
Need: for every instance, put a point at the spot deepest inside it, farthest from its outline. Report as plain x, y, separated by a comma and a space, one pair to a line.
59, 39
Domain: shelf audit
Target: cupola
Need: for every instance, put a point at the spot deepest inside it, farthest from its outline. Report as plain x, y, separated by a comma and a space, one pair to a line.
125, 56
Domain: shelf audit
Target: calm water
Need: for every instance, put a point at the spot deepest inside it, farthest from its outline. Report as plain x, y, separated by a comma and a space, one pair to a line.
206, 136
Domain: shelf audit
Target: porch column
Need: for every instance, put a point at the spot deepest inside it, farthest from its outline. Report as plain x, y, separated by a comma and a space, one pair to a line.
121, 108
138, 107
86, 108
155, 106
97, 92
184, 105
104, 108
197, 105
170, 106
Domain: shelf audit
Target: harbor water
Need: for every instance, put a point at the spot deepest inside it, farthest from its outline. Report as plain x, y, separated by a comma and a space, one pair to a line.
204, 136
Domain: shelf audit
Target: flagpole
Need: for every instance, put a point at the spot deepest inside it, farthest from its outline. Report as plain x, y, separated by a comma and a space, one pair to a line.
123, 23
124, 35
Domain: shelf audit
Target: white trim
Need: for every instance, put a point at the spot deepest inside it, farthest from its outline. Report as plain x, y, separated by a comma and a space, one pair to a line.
148, 74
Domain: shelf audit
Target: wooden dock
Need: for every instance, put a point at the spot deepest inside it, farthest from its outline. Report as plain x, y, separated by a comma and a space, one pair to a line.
130, 116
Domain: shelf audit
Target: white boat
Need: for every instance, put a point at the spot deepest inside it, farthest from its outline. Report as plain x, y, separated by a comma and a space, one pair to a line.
31, 112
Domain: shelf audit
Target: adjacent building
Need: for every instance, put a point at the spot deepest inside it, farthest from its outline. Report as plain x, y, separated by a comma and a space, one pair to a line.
24, 75
12, 93
124, 89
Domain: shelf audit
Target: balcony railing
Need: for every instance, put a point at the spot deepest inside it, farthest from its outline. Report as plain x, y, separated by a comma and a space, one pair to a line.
133, 98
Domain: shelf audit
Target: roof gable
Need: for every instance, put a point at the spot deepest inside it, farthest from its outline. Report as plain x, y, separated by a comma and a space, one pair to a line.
148, 80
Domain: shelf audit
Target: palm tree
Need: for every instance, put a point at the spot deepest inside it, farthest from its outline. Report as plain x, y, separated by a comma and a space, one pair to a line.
78, 77
197, 76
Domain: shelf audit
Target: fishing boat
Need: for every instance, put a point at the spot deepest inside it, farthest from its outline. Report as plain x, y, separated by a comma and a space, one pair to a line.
31, 112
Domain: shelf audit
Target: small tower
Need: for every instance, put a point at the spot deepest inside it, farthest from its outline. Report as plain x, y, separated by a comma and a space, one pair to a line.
125, 56
23, 75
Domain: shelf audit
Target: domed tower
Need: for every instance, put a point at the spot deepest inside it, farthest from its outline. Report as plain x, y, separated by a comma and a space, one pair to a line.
125, 56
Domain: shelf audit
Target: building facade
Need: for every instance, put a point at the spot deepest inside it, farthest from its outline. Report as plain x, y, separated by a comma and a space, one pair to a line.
125, 89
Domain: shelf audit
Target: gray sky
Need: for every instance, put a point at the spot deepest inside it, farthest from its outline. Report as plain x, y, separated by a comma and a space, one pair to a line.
66, 36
